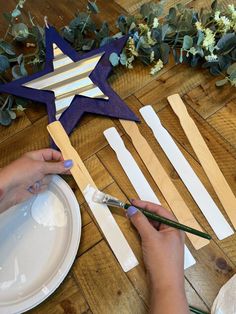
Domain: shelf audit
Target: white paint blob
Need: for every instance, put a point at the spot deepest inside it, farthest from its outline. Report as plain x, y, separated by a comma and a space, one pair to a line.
48, 210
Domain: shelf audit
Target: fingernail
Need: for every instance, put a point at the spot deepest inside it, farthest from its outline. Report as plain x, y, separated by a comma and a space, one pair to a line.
30, 189
37, 185
131, 211
131, 200
68, 163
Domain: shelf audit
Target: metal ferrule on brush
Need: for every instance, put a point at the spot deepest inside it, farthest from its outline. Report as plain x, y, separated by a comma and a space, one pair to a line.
112, 201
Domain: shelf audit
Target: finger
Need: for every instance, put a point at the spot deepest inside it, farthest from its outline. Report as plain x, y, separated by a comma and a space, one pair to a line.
154, 208
57, 167
46, 154
140, 222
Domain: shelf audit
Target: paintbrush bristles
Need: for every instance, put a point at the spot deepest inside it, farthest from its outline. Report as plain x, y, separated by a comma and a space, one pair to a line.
102, 198
99, 197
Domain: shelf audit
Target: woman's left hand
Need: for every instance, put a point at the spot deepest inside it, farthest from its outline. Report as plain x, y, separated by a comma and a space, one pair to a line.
28, 175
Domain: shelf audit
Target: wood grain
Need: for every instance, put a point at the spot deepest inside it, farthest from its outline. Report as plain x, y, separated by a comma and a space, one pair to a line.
86, 288
207, 161
107, 288
224, 122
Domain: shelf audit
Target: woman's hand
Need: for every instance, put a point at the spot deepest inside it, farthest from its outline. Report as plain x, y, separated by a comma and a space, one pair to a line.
28, 175
163, 254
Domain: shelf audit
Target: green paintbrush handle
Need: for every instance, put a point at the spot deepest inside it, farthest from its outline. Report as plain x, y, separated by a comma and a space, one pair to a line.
196, 311
171, 223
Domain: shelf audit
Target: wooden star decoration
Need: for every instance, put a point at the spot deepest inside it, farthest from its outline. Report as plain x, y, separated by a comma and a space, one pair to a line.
72, 84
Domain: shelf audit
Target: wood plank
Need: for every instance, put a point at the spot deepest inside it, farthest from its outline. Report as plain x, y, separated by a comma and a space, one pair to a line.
68, 298
224, 121
90, 236
105, 285
20, 123
207, 99
156, 92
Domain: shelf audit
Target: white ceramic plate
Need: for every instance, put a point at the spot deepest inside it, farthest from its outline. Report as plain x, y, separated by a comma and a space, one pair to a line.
34, 258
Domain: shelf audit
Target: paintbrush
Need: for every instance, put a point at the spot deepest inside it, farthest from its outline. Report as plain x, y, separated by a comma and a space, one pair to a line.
102, 198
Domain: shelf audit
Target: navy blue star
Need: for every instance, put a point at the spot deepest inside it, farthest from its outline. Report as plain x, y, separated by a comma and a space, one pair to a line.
111, 105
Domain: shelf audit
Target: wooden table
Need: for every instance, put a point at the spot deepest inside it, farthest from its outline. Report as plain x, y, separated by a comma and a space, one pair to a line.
96, 283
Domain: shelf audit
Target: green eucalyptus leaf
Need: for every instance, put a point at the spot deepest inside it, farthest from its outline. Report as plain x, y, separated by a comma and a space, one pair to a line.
165, 51
164, 31
103, 32
142, 43
92, 6
23, 69
83, 22
20, 31
214, 5
16, 72
172, 15
123, 58
227, 42
221, 82
10, 102
20, 58
232, 75
68, 34
106, 41
4, 63
231, 68
224, 62
87, 44
114, 59
12, 114
7, 48
5, 118
122, 23
200, 38
188, 42
16, 12
176, 57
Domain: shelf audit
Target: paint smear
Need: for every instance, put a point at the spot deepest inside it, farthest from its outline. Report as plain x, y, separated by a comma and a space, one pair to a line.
48, 210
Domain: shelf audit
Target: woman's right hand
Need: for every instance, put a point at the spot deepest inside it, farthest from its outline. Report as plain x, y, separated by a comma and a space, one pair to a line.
163, 254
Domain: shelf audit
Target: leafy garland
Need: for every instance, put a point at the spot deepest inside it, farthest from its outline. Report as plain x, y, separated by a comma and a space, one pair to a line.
206, 38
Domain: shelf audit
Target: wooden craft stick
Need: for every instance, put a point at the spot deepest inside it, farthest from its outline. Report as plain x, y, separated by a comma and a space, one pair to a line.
205, 157
200, 195
137, 178
166, 186
101, 212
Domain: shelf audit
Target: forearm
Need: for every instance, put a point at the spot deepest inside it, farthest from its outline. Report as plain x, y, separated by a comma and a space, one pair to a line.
5, 197
169, 301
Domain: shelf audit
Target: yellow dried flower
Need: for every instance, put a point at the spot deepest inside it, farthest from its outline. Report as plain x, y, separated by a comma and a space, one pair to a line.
157, 67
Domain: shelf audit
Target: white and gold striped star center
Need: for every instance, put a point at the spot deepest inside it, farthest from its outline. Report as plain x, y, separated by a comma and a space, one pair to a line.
68, 79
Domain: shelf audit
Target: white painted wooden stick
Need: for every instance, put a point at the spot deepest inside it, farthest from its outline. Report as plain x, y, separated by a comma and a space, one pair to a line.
212, 170
137, 178
101, 212
201, 196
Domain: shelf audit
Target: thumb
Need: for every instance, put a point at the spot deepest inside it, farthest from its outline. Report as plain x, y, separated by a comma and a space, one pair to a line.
140, 222
57, 167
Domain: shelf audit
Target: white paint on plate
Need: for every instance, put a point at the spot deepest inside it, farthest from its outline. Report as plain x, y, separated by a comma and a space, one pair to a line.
48, 210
